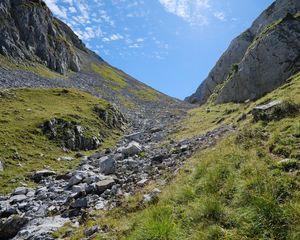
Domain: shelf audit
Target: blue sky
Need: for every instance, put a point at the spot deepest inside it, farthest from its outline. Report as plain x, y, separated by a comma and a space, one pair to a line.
170, 45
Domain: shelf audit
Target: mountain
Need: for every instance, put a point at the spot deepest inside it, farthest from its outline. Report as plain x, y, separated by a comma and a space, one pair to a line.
259, 60
39, 50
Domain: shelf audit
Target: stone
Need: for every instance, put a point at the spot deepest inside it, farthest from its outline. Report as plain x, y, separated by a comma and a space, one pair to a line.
18, 198
159, 158
107, 165
39, 175
75, 180
131, 163
20, 191
138, 136
78, 188
65, 159
40, 228
8, 210
80, 203
184, 148
155, 129
104, 185
132, 149
275, 110
9, 227
152, 197
1, 166
142, 182
89, 232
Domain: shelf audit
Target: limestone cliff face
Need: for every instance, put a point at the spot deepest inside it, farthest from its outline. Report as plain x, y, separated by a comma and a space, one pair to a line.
28, 30
256, 61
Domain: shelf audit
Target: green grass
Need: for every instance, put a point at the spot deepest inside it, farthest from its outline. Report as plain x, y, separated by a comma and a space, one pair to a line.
207, 117
128, 104
146, 94
227, 192
239, 189
113, 77
38, 69
22, 111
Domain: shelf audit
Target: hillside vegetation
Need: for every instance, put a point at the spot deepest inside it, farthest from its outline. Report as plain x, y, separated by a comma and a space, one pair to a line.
246, 187
23, 146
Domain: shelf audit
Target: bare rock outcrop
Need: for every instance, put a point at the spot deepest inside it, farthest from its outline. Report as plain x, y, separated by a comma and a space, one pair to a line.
29, 31
257, 53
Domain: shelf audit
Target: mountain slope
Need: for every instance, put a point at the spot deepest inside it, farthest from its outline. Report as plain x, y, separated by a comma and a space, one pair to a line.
272, 34
38, 50
246, 186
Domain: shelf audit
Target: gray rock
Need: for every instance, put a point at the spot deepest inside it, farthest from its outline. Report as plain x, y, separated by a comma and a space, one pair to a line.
36, 35
79, 188
80, 203
107, 165
267, 64
259, 68
7, 210
142, 182
39, 175
69, 135
20, 191
275, 110
1, 166
152, 196
11, 226
104, 185
18, 198
65, 159
39, 228
75, 180
132, 149
138, 136
89, 232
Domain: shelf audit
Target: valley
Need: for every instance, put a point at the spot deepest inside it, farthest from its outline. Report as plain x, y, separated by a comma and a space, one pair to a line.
89, 152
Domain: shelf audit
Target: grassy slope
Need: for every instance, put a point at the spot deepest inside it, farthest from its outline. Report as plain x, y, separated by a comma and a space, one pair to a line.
21, 113
117, 81
236, 190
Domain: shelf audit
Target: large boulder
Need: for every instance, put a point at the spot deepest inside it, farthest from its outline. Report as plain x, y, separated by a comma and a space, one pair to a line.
132, 149
275, 110
107, 165
103, 185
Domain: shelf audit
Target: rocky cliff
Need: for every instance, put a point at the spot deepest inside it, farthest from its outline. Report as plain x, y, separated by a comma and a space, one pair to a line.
29, 31
257, 61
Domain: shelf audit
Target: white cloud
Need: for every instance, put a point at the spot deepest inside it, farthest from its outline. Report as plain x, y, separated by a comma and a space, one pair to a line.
115, 37
220, 16
72, 10
189, 10
140, 40
60, 12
